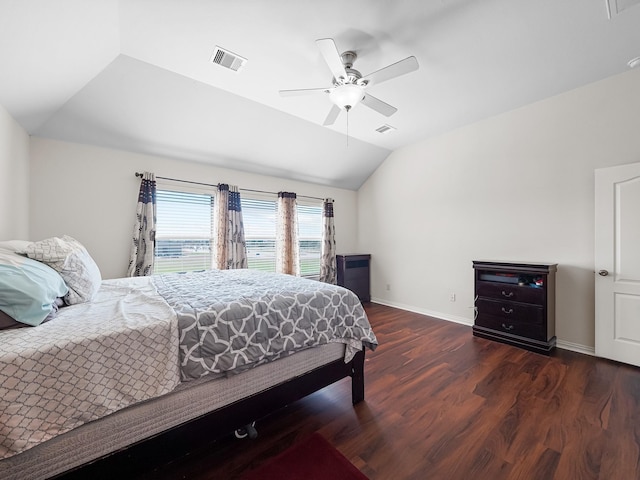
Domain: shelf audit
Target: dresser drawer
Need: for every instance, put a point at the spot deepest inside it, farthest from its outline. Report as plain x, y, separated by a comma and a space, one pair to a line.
511, 311
511, 326
515, 293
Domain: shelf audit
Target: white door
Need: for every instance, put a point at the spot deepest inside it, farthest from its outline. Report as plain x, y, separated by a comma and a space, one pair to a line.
617, 263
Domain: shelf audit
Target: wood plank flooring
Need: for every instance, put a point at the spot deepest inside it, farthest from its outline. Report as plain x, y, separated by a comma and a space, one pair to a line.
442, 404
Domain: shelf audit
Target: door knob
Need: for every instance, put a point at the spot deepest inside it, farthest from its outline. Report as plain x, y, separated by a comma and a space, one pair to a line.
603, 273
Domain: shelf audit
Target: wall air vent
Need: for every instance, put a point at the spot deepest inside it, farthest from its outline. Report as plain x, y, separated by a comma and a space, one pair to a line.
616, 7
385, 128
226, 59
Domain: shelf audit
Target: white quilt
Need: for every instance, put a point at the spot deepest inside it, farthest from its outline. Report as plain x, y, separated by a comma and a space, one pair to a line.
92, 360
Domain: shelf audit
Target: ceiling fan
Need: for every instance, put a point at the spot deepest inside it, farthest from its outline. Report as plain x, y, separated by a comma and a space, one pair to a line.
349, 85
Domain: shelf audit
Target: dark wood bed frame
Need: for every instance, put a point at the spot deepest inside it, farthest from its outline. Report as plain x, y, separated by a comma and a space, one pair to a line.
143, 456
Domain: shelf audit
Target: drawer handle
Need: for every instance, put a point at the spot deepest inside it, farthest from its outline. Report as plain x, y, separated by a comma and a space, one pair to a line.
504, 310
508, 295
510, 327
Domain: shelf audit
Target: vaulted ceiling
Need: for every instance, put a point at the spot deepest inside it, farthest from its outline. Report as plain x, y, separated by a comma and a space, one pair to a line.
136, 74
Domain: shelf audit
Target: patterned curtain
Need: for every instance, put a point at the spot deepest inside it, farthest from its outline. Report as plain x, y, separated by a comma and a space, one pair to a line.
328, 247
229, 246
287, 255
144, 231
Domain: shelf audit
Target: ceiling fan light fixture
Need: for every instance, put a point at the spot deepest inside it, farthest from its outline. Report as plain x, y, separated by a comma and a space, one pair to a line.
347, 96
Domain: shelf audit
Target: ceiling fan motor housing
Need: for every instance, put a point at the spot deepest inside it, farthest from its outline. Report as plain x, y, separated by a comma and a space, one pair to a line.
353, 75
348, 58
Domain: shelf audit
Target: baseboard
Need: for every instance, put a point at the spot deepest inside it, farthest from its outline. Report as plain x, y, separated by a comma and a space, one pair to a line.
564, 345
430, 313
576, 347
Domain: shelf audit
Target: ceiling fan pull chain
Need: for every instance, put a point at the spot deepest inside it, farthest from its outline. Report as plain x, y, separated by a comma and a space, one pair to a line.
348, 128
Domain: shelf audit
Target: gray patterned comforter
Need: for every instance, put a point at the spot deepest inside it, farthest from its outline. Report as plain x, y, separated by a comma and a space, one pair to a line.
237, 319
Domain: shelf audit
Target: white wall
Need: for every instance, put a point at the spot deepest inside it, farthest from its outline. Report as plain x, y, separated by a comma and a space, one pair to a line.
90, 193
14, 179
519, 186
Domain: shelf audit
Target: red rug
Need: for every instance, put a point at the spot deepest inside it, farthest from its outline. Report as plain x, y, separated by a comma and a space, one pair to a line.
311, 459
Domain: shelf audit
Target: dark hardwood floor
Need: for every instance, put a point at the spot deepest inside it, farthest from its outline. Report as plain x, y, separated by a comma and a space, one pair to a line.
442, 404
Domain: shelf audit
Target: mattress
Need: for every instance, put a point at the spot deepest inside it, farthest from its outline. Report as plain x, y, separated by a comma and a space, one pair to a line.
137, 422
93, 359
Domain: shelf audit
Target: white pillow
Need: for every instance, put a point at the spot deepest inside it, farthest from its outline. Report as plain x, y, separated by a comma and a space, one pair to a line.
14, 245
74, 264
8, 257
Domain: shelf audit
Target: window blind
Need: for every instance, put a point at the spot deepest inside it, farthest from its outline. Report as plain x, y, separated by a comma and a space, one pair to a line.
259, 217
184, 231
310, 238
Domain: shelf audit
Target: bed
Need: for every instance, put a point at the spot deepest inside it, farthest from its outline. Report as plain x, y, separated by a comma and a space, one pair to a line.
136, 367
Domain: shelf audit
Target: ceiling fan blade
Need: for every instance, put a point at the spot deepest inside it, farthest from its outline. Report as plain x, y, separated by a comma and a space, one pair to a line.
394, 70
333, 115
378, 105
330, 53
302, 91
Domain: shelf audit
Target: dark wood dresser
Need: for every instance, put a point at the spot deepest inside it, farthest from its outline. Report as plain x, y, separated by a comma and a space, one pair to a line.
515, 303
353, 273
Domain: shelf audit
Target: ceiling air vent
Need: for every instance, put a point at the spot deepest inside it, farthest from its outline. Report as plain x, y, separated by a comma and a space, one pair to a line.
385, 128
226, 59
615, 7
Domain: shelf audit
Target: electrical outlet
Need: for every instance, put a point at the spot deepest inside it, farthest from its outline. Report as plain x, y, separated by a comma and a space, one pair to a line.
452, 297
388, 287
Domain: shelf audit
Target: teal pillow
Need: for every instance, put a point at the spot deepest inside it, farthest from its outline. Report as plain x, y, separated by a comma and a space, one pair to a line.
28, 289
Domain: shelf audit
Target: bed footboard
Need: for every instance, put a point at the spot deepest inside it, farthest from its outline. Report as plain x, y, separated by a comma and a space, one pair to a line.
143, 456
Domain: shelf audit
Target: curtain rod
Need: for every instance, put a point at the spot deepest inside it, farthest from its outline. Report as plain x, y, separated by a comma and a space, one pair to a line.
140, 175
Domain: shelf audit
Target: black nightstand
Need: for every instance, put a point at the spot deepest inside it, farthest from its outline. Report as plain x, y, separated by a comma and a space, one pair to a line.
353, 273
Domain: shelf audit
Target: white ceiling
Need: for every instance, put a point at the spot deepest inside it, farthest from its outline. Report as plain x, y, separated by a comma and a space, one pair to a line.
135, 74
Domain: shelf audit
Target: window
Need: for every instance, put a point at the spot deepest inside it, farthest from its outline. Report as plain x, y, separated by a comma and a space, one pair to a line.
184, 231
259, 217
310, 238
